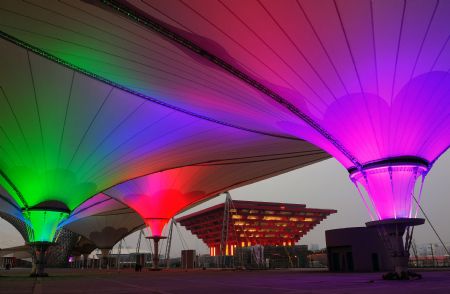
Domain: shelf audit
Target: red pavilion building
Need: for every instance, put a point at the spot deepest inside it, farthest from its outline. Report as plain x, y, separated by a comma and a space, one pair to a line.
253, 223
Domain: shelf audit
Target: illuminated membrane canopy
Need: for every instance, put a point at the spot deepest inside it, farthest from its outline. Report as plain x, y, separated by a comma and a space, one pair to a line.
365, 80
43, 224
66, 136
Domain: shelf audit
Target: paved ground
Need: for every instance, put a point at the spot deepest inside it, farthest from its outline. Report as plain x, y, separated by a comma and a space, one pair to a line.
217, 282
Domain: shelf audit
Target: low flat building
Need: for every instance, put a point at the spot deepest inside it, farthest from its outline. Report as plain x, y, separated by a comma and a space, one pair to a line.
358, 249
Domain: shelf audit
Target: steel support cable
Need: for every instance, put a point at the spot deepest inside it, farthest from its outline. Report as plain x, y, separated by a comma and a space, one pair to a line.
169, 243
126, 245
138, 244
241, 257
183, 241
244, 232
225, 226
258, 160
119, 251
128, 250
149, 245
431, 225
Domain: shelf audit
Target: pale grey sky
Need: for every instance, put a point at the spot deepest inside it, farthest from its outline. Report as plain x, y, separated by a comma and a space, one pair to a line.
321, 185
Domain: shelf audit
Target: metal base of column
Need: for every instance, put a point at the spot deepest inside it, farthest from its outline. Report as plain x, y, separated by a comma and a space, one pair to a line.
391, 232
156, 239
40, 249
404, 275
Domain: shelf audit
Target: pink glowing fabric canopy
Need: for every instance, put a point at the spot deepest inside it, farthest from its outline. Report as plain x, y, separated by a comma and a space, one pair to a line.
160, 196
364, 80
373, 75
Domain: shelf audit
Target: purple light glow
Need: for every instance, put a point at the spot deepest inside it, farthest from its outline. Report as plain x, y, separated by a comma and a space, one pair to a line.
390, 189
415, 122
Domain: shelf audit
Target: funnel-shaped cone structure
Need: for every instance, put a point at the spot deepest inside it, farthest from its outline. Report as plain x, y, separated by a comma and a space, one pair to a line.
160, 196
65, 136
389, 189
43, 224
158, 204
84, 247
156, 225
364, 80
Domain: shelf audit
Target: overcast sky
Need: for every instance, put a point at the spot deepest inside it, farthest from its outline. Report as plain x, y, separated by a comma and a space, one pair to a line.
321, 185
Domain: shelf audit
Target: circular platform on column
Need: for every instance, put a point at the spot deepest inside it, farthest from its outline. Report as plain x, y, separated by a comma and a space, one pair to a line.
397, 221
156, 237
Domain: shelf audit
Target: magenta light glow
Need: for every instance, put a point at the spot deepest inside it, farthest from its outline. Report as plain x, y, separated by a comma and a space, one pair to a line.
373, 75
390, 189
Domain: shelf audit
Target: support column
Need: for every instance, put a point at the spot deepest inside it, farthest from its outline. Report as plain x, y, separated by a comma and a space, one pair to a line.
155, 258
169, 244
391, 232
40, 249
104, 258
85, 260
42, 224
78, 262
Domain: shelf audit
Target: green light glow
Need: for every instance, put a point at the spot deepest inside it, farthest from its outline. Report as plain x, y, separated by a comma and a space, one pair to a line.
43, 224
